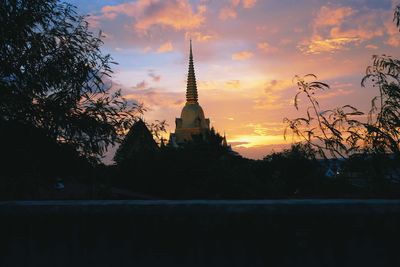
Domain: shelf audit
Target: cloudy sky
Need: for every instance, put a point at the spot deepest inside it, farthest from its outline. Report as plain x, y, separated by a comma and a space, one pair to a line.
246, 54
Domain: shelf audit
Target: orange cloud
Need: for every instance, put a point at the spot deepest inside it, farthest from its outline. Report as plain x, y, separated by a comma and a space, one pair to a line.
330, 35
132, 9
230, 11
156, 98
207, 85
372, 47
269, 102
360, 33
199, 36
330, 16
169, 13
272, 98
277, 85
245, 3
232, 84
317, 46
248, 3
242, 55
166, 47
146, 49
266, 47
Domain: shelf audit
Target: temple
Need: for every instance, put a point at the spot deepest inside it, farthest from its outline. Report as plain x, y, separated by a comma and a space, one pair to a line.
192, 120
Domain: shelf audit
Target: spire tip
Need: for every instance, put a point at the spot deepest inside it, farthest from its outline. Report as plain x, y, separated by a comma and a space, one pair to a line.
191, 90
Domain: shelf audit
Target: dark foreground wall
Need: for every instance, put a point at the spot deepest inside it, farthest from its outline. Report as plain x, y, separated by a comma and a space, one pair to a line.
200, 233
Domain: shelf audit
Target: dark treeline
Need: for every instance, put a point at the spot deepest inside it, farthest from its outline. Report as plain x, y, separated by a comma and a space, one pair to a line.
201, 169
59, 114
213, 172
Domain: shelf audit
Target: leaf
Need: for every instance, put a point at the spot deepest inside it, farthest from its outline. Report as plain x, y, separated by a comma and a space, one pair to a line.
295, 100
310, 75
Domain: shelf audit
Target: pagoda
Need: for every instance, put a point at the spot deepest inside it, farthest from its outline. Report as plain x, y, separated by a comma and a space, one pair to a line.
192, 121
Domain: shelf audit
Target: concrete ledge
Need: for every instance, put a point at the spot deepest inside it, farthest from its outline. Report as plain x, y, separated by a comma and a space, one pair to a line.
272, 207
200, 233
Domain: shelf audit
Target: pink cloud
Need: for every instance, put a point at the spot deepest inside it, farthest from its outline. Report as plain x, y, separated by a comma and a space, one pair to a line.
231, 11
167, 13
330, 16
245, 3
248, 3
227, 13
360, 33
277, 85
242, 55
336, 28
132, 9
372, 47
156, 98
266, 47
200, 36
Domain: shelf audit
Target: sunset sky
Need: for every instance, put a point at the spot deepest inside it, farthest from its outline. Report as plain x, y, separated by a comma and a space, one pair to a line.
246, 53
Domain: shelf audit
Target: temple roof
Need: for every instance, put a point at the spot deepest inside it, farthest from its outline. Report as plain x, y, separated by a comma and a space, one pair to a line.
138, 142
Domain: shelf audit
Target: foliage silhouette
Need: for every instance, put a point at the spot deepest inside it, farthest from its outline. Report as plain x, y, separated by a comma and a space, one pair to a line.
32, 161
396, 17
383, 127
297, 169
340, 132
53, 76
328, 131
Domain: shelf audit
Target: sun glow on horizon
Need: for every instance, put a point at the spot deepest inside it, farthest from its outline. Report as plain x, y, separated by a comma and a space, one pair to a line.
249, 141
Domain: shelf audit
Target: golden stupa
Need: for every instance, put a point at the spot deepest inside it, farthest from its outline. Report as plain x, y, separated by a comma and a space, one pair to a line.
192, 120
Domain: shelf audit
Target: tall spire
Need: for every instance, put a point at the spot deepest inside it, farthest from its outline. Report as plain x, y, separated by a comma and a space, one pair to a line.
191, 88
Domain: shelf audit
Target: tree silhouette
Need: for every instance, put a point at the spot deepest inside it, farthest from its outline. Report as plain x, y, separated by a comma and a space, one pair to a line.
340, 132
297, 170
331, 132
396, 17
54, 76
383, 127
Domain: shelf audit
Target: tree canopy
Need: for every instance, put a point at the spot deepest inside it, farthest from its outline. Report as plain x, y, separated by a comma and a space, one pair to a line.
54, 76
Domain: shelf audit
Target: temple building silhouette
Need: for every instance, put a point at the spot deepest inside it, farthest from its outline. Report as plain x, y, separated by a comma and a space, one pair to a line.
192, 120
